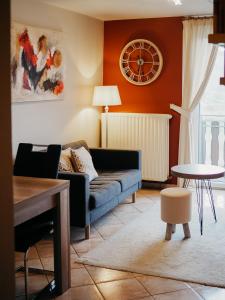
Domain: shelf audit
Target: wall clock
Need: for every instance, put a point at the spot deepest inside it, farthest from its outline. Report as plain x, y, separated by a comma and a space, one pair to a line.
141, 62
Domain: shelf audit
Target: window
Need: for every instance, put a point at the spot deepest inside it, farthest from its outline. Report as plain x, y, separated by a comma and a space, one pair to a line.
212, 118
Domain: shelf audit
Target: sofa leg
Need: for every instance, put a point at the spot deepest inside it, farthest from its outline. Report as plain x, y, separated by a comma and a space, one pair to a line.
134, 197
87, 232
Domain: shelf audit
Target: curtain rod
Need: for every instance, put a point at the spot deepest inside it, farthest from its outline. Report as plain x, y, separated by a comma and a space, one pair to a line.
197, 17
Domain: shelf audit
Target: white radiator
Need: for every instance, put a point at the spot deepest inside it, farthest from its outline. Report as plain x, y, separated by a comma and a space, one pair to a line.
146, 132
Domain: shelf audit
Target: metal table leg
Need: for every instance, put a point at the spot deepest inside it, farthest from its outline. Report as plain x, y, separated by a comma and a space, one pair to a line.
199, 185
186, 183
210, 195
201, 206
199, 198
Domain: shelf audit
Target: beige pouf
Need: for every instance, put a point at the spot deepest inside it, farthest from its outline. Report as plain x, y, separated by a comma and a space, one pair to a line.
176, 209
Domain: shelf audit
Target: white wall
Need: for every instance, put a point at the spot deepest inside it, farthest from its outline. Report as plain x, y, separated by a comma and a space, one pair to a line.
73, 118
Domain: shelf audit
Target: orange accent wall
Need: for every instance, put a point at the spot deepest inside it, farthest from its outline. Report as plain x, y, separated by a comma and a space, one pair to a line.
155, 97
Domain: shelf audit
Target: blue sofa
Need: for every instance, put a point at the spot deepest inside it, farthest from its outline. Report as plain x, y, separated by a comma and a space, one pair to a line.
119, 177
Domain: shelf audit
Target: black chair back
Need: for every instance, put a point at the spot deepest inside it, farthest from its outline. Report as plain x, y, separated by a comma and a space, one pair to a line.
42, 164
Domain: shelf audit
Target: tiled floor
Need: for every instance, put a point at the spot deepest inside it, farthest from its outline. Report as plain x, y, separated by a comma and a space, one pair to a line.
94, 283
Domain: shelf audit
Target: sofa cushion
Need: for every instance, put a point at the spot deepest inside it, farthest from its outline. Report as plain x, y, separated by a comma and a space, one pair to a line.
83, 163
102, 191
126, 178
65, 163
76, 145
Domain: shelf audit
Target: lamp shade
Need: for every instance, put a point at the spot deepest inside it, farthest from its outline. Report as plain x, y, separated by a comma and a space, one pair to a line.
106, 95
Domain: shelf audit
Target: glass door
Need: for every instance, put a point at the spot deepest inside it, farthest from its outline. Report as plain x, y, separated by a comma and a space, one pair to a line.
212, 120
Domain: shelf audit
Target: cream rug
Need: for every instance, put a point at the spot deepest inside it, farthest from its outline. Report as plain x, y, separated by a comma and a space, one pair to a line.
140, 247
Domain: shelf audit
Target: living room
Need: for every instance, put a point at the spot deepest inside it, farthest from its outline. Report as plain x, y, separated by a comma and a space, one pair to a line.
95, 40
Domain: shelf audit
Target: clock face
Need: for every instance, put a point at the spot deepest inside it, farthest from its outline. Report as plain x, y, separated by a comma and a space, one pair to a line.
141, 62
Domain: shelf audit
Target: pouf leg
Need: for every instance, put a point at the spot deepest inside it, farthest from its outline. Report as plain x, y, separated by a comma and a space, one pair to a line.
186, 229
173, 228
168, 231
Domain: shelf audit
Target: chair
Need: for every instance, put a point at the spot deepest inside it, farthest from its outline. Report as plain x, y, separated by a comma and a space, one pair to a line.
42, 164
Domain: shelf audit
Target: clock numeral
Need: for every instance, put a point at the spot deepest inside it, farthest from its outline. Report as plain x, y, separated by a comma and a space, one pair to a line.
148, 48
128, 52
134, 46
155, 54
132, 76
125, 61
126, 70
156, 63
147, 77
142, 45
139, 78
153, 71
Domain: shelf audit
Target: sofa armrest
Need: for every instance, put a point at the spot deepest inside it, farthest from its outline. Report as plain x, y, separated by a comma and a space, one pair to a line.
79, 197
111, 159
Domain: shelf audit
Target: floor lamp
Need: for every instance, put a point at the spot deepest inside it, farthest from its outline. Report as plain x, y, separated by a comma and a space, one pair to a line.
106, 95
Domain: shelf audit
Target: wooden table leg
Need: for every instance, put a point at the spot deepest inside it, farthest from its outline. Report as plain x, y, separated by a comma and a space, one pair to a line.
168, 232
186, 229
62, 243
173, 228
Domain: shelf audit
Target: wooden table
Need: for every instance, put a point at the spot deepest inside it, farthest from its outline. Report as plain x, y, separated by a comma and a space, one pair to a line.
201, 174
33, 196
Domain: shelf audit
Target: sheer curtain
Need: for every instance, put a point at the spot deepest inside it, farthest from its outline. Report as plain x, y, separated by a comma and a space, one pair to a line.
198, 61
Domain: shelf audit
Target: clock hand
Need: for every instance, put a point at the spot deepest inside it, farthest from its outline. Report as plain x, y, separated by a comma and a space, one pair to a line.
140, 73
148, 62
139, 70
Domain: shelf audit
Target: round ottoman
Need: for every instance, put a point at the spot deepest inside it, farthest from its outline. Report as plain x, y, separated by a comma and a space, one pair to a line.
176, 209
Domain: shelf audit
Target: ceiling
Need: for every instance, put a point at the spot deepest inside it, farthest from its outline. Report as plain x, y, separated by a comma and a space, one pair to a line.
134, 9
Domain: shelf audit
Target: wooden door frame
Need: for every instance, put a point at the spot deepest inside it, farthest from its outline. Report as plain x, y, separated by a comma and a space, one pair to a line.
7, 278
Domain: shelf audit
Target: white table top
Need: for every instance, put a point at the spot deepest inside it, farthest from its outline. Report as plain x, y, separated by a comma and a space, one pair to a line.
197, 171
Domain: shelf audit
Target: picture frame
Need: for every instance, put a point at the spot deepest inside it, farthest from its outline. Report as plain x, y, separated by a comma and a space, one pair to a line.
37, 64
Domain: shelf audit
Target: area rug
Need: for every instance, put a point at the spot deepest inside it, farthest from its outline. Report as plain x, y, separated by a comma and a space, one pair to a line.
140, 247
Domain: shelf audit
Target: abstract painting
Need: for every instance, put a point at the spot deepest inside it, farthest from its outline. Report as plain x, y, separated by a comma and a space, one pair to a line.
37, 66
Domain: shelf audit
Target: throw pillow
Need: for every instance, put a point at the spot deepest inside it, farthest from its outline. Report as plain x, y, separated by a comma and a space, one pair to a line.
65, 163
82, 162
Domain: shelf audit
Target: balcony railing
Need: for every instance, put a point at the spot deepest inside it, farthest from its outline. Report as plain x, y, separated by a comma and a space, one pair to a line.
212, 140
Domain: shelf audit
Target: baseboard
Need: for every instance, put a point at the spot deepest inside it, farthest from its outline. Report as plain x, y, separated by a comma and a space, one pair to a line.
156, 185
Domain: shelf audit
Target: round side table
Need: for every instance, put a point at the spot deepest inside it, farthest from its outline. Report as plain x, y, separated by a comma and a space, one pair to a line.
201, 174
